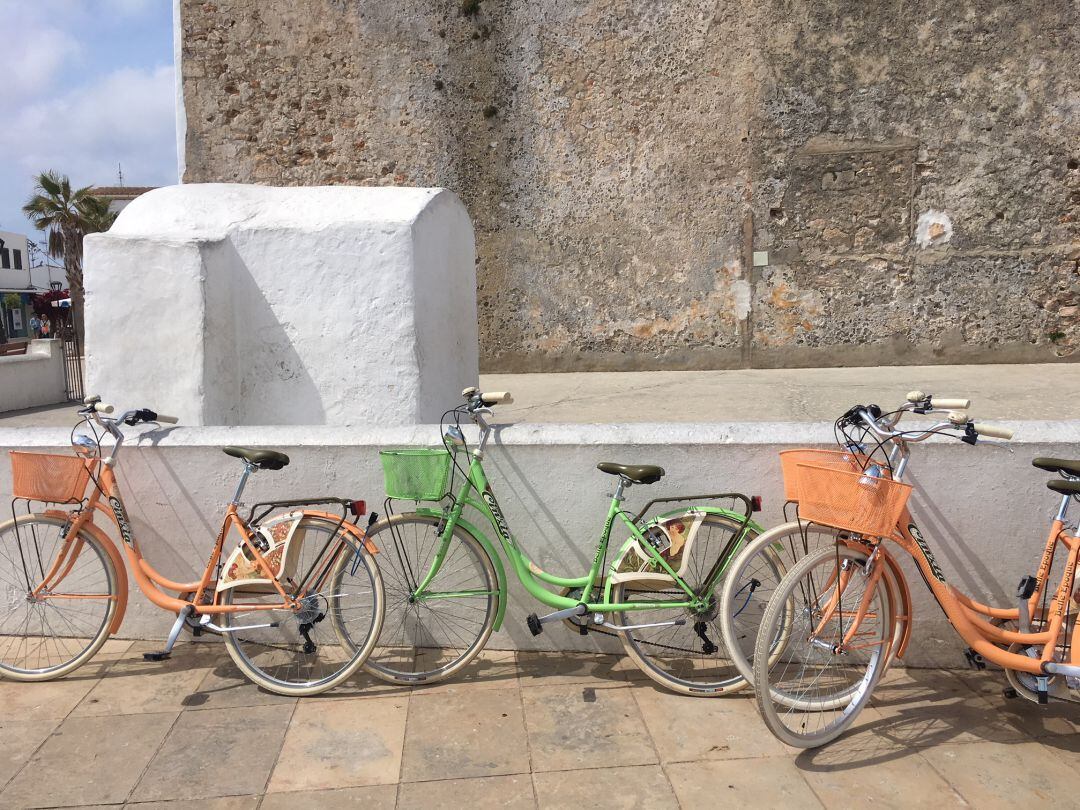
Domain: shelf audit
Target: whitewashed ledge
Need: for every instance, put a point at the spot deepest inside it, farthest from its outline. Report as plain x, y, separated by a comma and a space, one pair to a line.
986, 505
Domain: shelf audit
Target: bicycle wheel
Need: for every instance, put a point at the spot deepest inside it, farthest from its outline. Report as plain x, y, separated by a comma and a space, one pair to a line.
690, 658
48, 634
752, 580
814, 691
428, 639
317, 647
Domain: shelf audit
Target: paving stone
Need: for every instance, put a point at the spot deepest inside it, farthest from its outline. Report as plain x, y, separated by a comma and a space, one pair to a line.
89, 760
491, 669
1006, 775
1057, 720
226, 687
134, 686
901, 780
687, 729
190, 764
460, 735
642, 787
925, 707
51, 700
18, 741
575, 726
765, 782
223, 803
486, 793
342, 743
558, 668
375, 797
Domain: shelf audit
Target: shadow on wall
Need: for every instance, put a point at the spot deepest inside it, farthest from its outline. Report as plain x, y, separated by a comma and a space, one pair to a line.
254, 374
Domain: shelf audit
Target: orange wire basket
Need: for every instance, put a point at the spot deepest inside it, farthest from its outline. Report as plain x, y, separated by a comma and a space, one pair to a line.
857, 501
49, 478
836, 459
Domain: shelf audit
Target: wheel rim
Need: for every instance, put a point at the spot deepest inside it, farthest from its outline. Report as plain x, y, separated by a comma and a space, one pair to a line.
45, 632
430, 638
321, 641
813, 691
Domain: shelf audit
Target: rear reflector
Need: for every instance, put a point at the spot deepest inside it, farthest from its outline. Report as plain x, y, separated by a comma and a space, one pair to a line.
358, 508
755, 503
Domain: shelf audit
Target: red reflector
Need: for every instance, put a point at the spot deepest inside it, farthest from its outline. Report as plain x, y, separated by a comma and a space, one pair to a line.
358, 508
755, 503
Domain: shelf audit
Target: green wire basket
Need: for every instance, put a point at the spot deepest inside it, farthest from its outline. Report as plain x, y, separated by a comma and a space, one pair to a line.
415, 474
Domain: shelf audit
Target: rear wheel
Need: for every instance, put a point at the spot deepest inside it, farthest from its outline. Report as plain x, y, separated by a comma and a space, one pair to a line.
430, 637
317, 646
46, 634
691, 658
815, 689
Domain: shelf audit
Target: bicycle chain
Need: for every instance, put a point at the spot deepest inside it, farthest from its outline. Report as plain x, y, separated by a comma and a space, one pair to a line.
638, 640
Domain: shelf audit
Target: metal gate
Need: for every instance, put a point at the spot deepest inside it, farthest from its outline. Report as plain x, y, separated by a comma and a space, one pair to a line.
73, 362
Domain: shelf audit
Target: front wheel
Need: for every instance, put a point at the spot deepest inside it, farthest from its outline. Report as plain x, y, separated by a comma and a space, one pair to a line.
431, 633
46, 633
841, 634
321, 643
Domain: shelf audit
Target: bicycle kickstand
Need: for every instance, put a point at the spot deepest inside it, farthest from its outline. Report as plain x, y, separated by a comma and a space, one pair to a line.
174, 634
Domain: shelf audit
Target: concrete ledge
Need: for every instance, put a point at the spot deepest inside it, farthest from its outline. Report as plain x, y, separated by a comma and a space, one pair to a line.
33, 379
984, 510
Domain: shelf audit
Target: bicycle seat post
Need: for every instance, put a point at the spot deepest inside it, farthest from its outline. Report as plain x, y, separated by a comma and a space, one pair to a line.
623, 484
249, 468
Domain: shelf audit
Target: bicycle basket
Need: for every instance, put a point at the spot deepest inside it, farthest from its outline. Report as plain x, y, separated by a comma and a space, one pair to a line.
837, 459
49, 478
415, 474
856, 501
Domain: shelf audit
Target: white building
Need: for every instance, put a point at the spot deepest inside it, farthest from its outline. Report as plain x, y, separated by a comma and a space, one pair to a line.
19, 282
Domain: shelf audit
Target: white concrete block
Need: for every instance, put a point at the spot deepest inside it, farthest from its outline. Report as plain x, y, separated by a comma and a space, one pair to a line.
33, 379
249, 305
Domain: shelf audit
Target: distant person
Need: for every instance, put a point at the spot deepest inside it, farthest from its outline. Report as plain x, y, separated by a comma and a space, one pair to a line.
46, 328
35, 326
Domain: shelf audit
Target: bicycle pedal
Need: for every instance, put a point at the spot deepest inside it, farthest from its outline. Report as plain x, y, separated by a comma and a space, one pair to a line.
533, 621
156, 656
1009, 693
583, 629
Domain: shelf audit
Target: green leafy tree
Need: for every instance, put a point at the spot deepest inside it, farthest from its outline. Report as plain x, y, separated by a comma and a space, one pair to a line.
67, 215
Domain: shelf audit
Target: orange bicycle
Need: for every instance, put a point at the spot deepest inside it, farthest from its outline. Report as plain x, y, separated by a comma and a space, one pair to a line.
299, 601
839, 604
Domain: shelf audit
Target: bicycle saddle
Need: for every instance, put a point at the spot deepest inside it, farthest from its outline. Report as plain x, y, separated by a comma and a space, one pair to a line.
263, 459
638, 473
1064, 487
1057, 465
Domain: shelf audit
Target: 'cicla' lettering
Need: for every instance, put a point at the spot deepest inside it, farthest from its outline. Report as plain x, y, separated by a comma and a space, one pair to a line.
496, 512
913, 530
121, 520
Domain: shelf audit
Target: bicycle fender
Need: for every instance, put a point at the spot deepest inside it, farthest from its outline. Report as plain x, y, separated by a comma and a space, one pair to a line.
905, 604
496, 559
117, 561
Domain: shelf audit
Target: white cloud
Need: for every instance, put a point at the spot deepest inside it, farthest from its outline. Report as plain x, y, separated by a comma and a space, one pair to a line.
125, 117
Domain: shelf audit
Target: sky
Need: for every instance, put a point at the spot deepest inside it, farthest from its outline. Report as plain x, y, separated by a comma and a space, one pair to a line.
85, 85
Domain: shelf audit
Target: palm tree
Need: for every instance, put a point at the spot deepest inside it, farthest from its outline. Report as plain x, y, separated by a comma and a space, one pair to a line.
68, 215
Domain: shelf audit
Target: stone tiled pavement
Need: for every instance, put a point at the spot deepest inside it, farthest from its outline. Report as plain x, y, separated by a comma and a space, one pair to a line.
526, 730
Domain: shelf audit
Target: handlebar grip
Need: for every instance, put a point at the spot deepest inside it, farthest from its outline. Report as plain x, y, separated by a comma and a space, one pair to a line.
994, 431
168, 420
915, 396
951, 404
101, 407
496, 398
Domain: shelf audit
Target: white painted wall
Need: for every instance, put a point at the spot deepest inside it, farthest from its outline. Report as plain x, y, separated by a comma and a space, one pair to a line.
32, 379
984, 510
243, 305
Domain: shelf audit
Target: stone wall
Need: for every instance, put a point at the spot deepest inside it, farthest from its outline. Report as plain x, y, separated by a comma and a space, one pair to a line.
688, 184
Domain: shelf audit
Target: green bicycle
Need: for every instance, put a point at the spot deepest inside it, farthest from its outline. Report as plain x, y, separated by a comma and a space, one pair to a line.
446, 586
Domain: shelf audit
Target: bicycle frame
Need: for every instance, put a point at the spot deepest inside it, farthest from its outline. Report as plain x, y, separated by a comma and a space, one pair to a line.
534, 578
151, 582
969, 617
